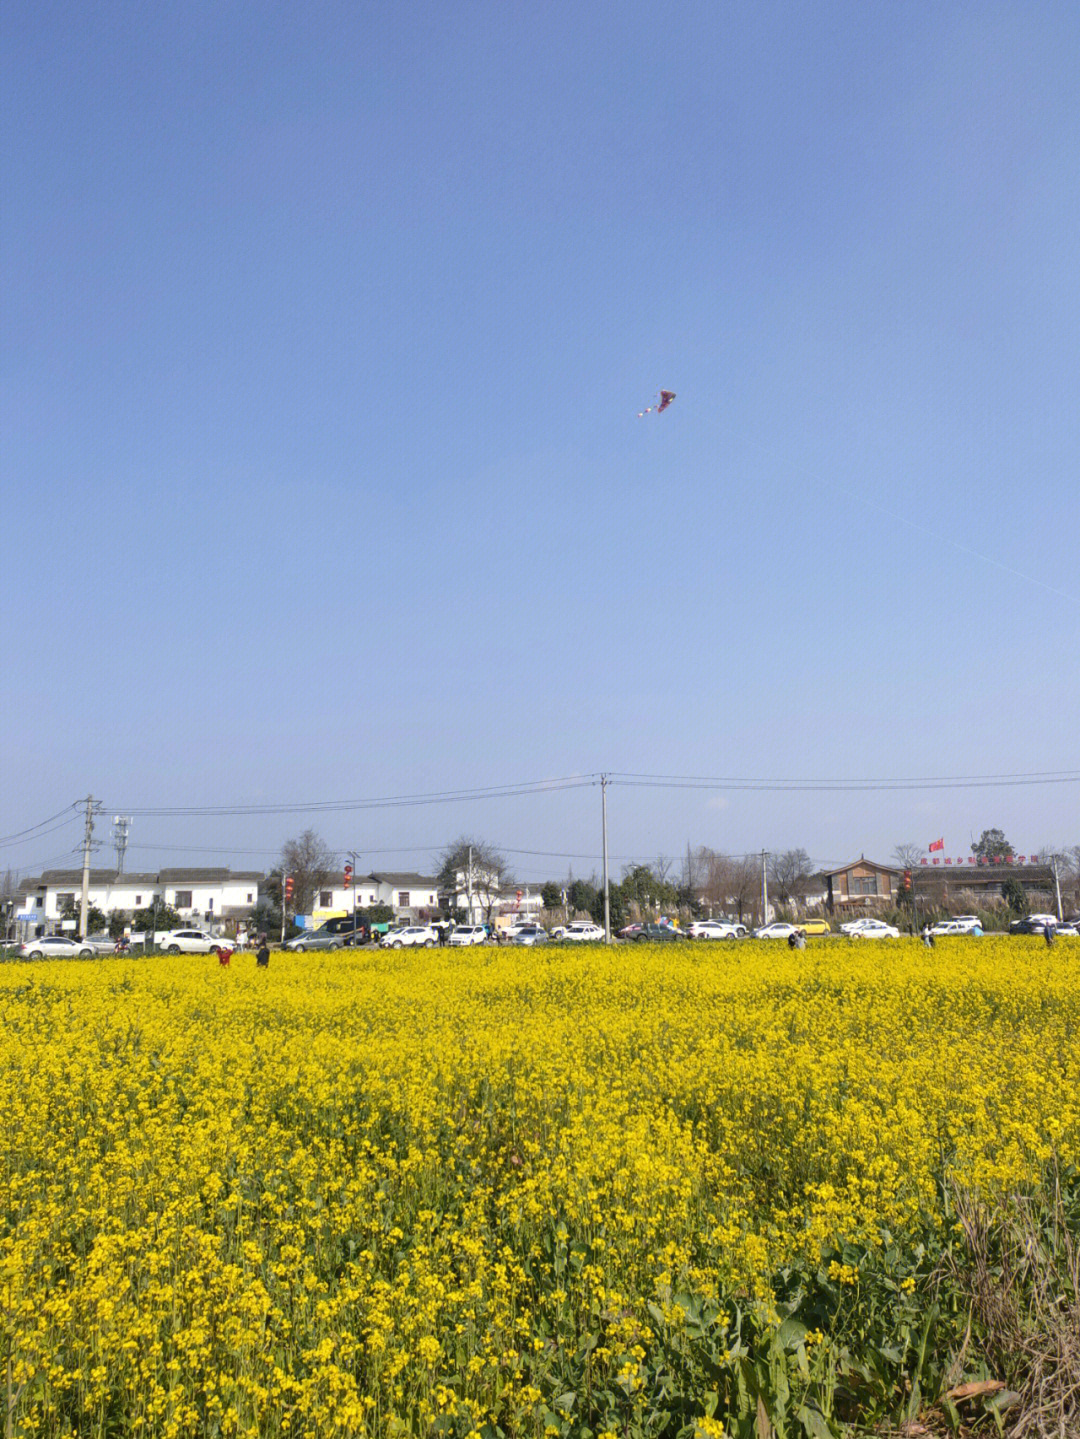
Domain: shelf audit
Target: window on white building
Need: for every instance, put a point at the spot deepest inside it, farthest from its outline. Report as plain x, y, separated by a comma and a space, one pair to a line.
326, 898
138, 900
403, 899
250, 898
182, 899
62, 899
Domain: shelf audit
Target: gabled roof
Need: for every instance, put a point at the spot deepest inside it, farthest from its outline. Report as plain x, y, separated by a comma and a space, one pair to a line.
868, 863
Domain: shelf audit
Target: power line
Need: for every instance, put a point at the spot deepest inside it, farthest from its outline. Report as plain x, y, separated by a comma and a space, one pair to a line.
884, 786
503, 791
66, 816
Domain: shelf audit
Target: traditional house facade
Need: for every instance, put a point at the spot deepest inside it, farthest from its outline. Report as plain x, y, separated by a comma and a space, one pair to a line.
411, 896
863, 884
203, 896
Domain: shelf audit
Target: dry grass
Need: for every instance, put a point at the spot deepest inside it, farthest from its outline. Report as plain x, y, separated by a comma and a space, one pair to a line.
1019, 1270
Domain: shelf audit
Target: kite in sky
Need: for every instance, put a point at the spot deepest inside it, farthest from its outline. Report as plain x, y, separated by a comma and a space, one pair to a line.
665, 399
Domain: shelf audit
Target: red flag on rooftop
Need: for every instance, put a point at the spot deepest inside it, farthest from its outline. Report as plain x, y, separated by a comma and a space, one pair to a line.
937, 844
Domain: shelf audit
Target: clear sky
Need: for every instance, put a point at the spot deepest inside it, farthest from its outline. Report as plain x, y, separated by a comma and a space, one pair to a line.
325, 329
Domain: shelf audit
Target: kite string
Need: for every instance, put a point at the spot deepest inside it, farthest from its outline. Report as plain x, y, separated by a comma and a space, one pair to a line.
923, 530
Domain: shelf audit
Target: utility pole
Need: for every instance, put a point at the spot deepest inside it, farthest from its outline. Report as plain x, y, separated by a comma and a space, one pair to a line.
468, 885
354, 858
764, 886
607, 892
92, 808
1057, 886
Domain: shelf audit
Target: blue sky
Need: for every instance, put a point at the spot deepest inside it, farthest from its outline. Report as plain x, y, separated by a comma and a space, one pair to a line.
324, 334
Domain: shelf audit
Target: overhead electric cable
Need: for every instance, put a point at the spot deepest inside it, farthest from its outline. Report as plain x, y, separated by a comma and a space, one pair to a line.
504, 791
70, 811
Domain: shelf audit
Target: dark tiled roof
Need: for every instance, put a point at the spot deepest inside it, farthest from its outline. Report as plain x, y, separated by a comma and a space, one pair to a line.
407, 881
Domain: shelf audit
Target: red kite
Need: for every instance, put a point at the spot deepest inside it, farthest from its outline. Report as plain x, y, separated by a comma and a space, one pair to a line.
665, 399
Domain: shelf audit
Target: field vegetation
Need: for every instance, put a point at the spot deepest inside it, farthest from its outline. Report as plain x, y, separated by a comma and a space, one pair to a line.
657, 1190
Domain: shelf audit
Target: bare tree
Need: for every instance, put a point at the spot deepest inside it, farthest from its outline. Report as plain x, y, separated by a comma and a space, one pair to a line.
907, 856
731, 884
470, 866
312, 864
789, 874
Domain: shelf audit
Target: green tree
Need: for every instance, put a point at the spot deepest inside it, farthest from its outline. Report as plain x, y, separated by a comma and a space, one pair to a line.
551, 895
1013, 893
157, 919
95, 918
991, 844
584, 896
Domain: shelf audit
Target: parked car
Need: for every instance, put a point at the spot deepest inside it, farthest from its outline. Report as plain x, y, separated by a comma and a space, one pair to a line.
411, 936
955, 926
346, 926
512, 930
55, 946
101, 943
1034, 924
315, 939
659, 933
629, 931
189, 941
581, 931
777, 930
853, 926
531, 934
872, 929
815, 926
468, 934
716, 929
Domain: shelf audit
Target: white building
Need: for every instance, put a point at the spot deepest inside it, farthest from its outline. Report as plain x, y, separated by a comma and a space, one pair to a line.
406, 894
203, 896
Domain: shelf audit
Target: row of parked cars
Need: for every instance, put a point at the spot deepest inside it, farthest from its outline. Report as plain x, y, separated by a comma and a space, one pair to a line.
339, 933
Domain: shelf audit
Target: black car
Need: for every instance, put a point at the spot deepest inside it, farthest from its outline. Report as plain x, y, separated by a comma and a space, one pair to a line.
1031, 925
347, 926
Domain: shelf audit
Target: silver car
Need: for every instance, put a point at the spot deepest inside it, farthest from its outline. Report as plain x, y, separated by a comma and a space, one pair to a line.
56, 946
317, 939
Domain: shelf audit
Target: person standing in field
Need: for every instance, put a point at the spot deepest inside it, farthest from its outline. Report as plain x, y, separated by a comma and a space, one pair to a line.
262, 954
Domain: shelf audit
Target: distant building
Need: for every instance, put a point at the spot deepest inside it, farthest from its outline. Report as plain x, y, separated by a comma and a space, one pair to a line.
985, 883
863, 884
204, 896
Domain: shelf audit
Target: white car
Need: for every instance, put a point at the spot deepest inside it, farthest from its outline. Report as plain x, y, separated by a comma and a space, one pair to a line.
189, 941
56, 946
468, 934
777, 930
581, 931
411, 936
871, 929
955, 926
716, 929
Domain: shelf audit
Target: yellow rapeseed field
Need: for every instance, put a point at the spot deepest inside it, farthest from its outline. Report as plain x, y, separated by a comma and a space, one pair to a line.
474, 1191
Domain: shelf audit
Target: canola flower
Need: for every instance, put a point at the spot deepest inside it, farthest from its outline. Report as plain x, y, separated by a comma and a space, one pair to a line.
473, 1192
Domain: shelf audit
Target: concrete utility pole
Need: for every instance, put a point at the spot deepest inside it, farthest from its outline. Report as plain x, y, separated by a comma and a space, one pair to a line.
354, 859
607, 891
1057, 887
92, 808
468, 885
764, 886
